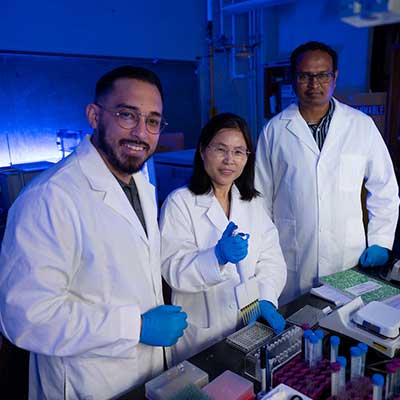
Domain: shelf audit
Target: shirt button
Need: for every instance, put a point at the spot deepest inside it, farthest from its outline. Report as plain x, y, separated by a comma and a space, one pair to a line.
232, 306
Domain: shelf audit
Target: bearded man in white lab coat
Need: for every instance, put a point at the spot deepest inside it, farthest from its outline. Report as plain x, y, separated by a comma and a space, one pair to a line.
312, 161
80, 281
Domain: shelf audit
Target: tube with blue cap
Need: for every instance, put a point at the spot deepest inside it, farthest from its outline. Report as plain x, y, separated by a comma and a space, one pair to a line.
335, 341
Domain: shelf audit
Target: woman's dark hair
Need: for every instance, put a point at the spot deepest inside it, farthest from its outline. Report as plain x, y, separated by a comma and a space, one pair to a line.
200, 182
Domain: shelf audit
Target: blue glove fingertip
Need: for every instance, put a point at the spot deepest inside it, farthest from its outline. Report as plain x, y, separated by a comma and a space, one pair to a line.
229, 229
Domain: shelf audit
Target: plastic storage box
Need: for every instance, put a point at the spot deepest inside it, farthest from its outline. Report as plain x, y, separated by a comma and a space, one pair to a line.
171, 382
230, 386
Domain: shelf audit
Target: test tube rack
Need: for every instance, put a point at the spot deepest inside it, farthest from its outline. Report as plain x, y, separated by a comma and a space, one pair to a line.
279, 350
314, 383
360, 389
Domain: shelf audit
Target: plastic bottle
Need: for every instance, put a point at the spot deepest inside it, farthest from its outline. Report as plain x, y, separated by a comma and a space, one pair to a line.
356, 359
364, 350
335, 379
306, 334
313, 342
396, 385
396, 362
342, 381
335, 341
319, 333
377, 385
390, 381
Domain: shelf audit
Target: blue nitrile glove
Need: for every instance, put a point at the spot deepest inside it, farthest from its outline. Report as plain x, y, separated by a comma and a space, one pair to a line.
272, 316
374, 256
232, 248
163, 325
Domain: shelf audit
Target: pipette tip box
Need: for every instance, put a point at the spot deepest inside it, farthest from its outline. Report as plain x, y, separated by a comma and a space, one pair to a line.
171, 382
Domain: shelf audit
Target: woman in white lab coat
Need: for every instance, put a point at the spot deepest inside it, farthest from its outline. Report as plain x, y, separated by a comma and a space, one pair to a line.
200, 249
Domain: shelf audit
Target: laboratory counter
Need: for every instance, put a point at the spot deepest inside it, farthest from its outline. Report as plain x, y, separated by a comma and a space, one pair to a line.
222, 356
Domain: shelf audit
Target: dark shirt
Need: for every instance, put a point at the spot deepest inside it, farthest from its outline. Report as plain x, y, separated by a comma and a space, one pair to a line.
320, 130
133, 196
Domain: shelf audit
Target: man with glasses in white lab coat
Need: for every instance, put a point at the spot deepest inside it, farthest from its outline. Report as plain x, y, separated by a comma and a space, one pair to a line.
80, 280
312, 161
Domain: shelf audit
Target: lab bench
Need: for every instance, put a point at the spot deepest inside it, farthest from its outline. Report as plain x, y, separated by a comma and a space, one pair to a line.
221, 356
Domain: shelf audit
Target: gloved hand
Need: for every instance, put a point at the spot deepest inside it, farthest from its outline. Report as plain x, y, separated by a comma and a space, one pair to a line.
272, 316
374, 256
231, 248
163, 325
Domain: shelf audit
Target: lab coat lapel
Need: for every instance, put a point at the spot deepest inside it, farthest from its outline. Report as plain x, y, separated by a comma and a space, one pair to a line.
298, 127
214, 211
147, 198
236, 214
102, 180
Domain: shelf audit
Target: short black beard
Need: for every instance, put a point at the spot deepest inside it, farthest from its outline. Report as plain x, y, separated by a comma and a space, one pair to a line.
127, 167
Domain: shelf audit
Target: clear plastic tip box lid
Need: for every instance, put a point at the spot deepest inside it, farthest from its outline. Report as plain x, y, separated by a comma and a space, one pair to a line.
171, 382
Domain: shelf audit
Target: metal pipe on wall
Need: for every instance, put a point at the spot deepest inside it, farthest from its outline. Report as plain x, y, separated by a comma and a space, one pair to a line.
213, 108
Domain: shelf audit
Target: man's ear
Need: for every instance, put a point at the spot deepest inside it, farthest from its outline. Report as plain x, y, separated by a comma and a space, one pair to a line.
336, 76
92, 115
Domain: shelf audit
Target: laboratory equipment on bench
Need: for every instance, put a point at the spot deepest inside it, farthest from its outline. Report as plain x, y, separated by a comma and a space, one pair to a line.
377, 386
360, 389
285, 392
230, 386
67, 140
250, 337
342, 373
390, 380
334, 341
173, 381
314, 382
391, 273
341, 321
335, 378
355, 362
308, 315
247, 293
278, 349
364, 350
379, 318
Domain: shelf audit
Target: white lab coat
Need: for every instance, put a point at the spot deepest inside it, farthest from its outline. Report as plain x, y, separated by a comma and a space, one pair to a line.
314, 197
190, 228
77, 270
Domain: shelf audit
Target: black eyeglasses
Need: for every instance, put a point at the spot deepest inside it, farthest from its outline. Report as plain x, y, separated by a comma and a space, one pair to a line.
129, 119
321, 77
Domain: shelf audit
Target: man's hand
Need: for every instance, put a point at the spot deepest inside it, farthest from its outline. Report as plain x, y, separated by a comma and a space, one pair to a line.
163, 325
374, 256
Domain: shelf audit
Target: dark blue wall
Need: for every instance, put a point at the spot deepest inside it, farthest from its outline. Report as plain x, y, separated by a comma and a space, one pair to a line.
41, 94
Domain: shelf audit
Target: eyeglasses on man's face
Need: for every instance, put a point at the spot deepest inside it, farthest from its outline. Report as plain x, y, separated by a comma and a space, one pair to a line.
321, 77
129, 119
220, 151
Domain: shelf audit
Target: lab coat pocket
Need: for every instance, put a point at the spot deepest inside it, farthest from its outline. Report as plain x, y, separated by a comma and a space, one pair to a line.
354, 242
288, 241
352, 171
198, 307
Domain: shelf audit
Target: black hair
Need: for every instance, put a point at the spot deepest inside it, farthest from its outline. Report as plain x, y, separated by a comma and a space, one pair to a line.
105, 84
312, 46
200, 182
